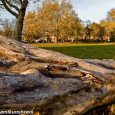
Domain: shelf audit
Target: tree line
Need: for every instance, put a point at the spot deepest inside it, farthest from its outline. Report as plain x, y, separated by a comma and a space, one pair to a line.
53, 18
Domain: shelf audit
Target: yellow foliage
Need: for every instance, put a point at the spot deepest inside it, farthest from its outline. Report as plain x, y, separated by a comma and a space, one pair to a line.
109, 23
108, 26
58, 19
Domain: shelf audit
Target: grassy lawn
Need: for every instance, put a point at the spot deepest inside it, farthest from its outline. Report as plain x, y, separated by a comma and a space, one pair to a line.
84, 51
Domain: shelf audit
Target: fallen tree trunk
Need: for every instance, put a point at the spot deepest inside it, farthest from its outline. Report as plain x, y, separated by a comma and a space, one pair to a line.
51, 82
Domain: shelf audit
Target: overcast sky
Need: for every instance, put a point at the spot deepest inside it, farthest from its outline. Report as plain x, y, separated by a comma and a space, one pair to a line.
94, 10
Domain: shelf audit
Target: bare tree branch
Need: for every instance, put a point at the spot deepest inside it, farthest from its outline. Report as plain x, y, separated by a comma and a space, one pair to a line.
20, 2
8, 9
11, 5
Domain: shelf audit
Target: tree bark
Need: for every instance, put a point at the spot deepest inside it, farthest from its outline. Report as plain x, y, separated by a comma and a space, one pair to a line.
48, 81
56, 39
19, 24
43, 37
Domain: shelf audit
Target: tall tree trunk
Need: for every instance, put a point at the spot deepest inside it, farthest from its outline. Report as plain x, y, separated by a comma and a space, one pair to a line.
57, 35
76, 39
56, 39
85, 38
43, 37
102, 38
19, 24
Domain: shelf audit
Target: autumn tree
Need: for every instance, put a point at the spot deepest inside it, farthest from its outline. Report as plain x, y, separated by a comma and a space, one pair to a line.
31, 27
95, 27
36, 23
101, 32
70, 23
109, 23
44, 15
77, 29
111, 16
97, 30
87, 30
108, 27
18, 9
64, 20
58, 19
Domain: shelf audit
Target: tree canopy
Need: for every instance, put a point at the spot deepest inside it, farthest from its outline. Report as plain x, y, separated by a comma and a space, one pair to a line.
109, 23
58, 19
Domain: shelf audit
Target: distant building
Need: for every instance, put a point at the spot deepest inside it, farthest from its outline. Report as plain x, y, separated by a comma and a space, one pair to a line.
106, 38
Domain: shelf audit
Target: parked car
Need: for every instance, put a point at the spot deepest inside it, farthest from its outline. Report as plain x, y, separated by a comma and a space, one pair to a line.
38, 40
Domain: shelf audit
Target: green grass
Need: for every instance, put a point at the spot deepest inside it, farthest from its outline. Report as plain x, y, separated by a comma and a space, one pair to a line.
84, 51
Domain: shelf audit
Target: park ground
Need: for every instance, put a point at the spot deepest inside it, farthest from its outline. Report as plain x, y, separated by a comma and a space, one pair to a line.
84, 51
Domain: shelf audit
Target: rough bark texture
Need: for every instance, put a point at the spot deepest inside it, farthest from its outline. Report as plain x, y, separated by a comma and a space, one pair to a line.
20, 20
51, 82
19, 24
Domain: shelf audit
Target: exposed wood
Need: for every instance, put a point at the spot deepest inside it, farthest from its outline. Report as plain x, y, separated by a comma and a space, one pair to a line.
51, 82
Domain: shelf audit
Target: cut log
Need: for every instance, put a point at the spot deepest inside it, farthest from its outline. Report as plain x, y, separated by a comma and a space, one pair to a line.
52, 83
